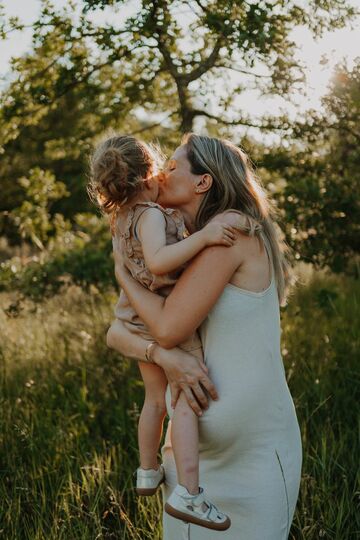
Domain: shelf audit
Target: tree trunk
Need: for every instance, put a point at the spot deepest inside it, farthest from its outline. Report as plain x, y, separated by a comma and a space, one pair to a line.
186, 111
187, 120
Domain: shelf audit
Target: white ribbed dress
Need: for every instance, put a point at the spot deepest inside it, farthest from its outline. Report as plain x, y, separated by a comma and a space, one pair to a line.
250, 447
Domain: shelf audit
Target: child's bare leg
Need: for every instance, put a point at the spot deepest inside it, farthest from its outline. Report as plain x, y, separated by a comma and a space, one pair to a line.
185, 440
152, 415
185, 443
187, 501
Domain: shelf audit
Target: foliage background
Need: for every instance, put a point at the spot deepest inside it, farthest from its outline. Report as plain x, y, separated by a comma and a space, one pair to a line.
68, 432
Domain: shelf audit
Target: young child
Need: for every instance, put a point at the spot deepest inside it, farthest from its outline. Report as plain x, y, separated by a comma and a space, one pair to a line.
152, 243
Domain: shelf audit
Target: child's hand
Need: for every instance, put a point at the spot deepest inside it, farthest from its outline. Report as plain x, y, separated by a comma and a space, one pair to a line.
219, 234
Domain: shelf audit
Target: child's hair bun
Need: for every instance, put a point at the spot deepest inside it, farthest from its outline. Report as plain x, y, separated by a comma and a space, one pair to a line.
113, 173
118, 168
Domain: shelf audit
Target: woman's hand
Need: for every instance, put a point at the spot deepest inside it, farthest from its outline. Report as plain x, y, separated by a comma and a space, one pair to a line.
185, 373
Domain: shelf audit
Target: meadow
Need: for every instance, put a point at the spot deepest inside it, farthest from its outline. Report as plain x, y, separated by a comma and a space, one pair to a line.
69, 409
73, 72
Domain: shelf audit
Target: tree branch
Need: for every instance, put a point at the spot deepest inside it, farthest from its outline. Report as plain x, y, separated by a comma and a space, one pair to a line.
67, 88
51, 64
168, 60
348, 129
161, 43
243, 71
204, 8
151, 126
239, 122
205, 64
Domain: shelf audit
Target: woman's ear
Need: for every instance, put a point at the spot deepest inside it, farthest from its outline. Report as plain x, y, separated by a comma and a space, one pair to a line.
203, 183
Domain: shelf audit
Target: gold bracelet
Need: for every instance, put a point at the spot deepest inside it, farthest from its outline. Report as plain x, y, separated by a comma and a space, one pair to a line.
149, 350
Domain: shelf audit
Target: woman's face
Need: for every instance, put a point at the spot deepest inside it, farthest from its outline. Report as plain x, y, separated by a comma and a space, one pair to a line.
177, 186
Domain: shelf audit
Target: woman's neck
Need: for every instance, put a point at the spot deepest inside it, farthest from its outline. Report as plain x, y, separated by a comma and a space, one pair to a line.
189, 212
189, 220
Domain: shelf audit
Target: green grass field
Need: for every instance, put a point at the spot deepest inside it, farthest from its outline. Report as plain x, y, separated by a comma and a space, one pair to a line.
69, 410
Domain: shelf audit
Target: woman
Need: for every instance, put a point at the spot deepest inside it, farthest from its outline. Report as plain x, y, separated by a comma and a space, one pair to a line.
250, 449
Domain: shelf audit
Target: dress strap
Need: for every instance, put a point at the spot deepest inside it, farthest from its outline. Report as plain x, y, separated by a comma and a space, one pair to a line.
169, 213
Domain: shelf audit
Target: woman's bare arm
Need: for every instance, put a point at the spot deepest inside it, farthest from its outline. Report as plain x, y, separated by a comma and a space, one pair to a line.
172, 320
183, 371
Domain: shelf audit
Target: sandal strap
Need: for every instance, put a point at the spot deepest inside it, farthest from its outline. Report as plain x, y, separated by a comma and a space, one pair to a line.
198, 499
213, 513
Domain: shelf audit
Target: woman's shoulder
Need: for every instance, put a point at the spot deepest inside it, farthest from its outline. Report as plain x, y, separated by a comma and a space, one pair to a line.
231, 217
245, 224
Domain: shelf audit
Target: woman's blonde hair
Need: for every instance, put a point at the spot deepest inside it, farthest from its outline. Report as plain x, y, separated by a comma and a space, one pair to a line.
118, 168
235, 186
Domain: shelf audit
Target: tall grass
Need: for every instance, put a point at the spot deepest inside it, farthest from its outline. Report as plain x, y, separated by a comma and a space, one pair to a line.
321, 342
69, 410
68, 439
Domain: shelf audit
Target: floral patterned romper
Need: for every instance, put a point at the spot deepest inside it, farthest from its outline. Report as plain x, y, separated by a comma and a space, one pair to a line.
125, 241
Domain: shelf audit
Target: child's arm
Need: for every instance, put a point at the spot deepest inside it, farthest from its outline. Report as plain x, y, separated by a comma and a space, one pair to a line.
161, 258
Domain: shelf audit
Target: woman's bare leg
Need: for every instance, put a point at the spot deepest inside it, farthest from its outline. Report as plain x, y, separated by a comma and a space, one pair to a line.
152, 414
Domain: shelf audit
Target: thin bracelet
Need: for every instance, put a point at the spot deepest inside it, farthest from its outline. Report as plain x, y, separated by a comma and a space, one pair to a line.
148, 352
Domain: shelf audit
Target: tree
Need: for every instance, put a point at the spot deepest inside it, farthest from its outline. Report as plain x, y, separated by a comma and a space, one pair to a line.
49, 121
171, 52
32, 216
152, 73
319, 177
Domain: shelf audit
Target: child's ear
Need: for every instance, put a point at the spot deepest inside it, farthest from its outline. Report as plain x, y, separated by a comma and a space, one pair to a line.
203, 183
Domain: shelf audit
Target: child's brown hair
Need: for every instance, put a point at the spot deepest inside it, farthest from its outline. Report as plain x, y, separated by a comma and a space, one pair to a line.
118, 168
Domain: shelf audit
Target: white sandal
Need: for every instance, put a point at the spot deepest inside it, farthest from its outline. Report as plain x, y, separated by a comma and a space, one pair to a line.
149, 480
182, 505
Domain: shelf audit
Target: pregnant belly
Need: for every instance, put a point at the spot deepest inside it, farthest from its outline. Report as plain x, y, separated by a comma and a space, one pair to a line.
251, 411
